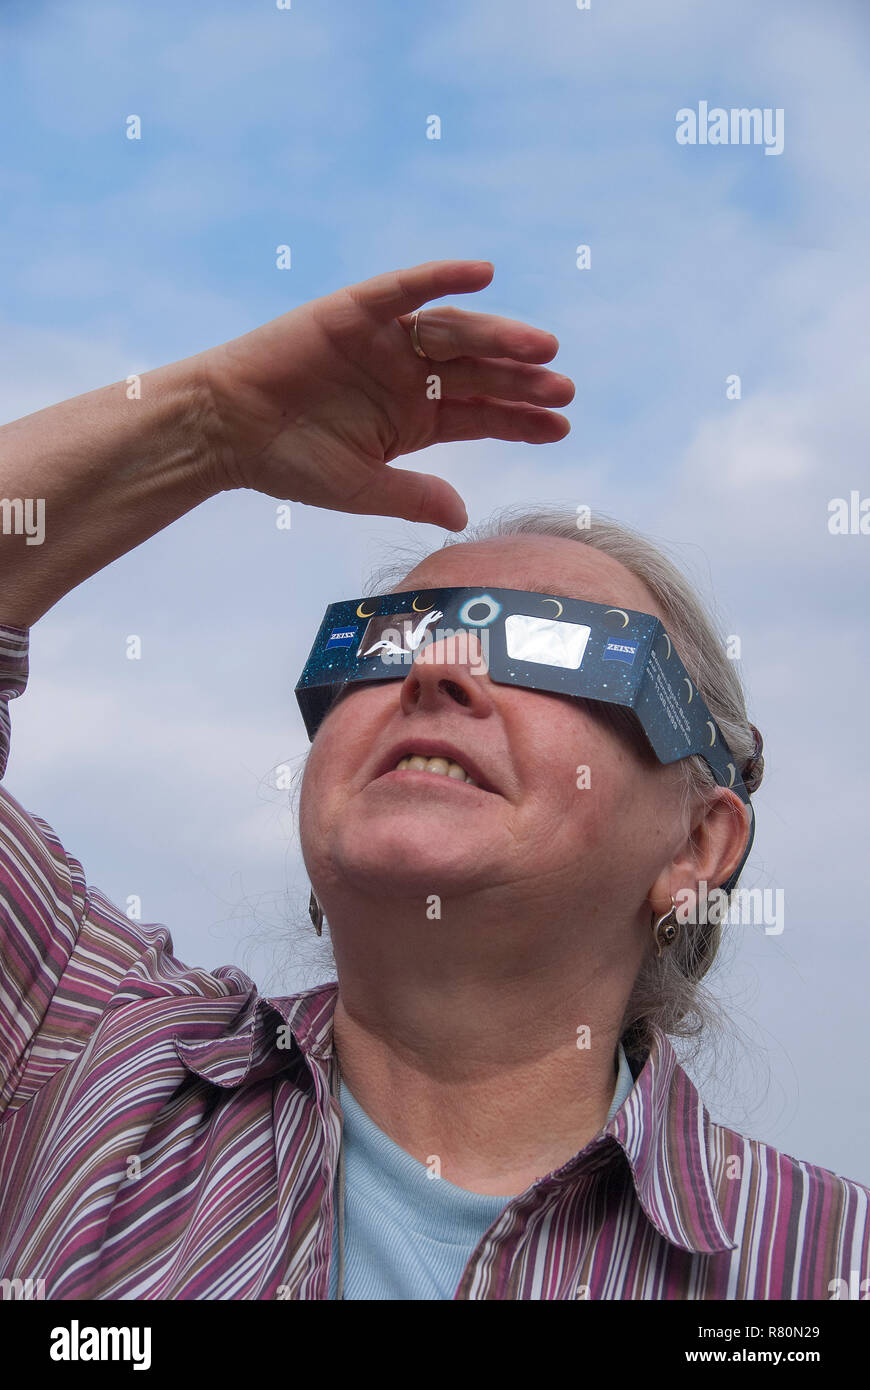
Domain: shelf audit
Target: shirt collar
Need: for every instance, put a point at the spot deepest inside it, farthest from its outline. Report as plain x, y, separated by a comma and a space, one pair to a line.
661, 1128
244, 1037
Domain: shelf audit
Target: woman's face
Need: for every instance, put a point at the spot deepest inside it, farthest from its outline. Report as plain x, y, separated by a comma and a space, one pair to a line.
556, 832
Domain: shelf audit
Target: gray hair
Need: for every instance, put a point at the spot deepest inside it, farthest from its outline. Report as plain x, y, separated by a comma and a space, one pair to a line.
667, 993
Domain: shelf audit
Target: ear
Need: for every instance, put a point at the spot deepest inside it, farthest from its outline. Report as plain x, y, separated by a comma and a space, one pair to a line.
711, 851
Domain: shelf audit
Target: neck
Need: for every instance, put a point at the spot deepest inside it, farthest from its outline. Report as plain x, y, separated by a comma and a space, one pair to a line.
490, 1044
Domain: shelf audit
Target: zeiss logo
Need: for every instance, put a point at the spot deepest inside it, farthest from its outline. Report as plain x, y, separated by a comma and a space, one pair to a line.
341, 637
620, 651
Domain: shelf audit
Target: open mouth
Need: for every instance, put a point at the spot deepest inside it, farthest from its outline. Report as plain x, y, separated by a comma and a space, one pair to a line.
437, 766
432, 760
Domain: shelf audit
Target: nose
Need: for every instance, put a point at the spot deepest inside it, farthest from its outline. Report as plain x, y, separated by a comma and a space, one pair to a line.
449, 670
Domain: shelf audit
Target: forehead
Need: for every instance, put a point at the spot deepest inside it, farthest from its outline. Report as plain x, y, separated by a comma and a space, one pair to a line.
543, 564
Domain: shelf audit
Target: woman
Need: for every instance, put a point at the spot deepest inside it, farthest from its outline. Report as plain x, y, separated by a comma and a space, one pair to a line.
486, 1104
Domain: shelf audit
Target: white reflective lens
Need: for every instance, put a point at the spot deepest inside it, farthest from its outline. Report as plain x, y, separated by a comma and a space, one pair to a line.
545, 640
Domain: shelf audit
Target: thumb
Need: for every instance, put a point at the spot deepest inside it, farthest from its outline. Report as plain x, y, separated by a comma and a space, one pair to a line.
413, 497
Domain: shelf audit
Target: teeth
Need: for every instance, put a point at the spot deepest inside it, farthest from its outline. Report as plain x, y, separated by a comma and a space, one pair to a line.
440, 766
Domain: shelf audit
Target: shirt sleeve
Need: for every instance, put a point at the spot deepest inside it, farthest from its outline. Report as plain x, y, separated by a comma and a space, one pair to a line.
65, 950
14, 646
42, 896
67, 953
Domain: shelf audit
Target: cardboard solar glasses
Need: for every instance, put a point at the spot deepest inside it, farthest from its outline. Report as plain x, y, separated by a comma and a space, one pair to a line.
539, 641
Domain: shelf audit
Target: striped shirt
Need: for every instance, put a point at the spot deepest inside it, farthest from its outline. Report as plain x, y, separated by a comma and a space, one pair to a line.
167, 1132
406, 1234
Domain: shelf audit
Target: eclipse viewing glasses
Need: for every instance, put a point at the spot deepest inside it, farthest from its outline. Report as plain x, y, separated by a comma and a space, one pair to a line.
538, 641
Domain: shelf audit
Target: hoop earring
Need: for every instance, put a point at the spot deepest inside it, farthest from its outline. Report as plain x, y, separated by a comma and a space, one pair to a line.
665, 929
315, 912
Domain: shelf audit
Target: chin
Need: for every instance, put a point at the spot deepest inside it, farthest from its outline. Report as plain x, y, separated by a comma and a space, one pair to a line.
400, 860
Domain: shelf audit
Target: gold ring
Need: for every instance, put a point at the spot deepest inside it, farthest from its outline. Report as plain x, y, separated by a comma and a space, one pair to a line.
415, 337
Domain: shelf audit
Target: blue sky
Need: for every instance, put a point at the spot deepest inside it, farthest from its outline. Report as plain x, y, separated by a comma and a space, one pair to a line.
307, 127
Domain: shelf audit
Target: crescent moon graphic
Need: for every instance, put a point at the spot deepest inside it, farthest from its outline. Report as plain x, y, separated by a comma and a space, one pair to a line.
712, 727
668, 640
733, 770
691, 691
421, 610
361, 614
559, 608
622, 613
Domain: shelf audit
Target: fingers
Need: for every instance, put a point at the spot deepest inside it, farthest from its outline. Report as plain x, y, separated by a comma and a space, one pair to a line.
445, 332
483, 418
504, 380
425, 497
412, 496
397, 292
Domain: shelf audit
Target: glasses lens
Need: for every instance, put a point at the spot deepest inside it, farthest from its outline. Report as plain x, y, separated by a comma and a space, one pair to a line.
545, 641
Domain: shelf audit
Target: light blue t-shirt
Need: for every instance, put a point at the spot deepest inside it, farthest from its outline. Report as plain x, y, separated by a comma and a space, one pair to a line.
406, 1235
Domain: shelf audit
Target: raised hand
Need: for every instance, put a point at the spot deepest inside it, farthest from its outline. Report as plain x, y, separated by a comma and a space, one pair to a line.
314, 405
